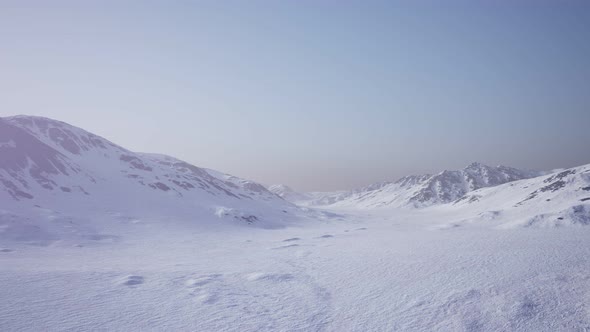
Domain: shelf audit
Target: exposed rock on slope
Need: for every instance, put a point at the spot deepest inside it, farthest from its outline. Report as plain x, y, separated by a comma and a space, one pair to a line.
557, 199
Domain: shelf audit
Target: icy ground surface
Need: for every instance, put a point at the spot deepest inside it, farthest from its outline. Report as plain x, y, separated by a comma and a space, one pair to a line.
369, 271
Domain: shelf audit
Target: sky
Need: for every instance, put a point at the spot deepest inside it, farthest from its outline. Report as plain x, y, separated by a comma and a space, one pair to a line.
319, 95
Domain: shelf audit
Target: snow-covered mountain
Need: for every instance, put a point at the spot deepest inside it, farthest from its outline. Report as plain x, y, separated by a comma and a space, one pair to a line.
557, 199
418, 190
51, 169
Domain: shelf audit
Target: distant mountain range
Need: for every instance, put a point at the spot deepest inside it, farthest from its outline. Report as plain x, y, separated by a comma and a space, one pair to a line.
481, 194
414, 191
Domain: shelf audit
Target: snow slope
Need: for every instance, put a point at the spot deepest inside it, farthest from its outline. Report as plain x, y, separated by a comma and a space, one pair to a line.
52, 173
557, 199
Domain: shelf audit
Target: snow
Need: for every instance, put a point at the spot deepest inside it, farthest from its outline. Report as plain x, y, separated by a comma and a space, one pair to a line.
125, 248
370, 272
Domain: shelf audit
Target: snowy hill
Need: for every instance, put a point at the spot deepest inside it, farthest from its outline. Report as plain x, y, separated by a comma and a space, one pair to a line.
53, 171
419, 190
557, 199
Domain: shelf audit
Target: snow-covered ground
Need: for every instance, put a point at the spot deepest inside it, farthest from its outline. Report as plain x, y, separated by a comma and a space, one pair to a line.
379, 270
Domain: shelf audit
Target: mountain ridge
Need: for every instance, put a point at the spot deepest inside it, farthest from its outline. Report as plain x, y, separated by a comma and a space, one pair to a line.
416, 190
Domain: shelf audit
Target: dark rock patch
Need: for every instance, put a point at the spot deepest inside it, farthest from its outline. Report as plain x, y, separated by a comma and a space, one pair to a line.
160, 186
555, 186
292, 239
14, 191
82, 190
135, 162
560, 176
183, 184
250, 219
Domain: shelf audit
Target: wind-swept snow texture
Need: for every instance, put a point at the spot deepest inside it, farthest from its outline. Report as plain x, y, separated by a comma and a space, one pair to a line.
364, 271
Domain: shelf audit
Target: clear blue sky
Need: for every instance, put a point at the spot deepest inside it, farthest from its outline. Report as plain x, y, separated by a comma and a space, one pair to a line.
320, 95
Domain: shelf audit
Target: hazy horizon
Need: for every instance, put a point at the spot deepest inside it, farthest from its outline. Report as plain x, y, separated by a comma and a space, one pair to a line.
316, 95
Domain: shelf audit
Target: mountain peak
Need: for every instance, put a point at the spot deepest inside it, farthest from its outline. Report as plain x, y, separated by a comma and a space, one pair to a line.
36, 121
476, 165
61, 136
